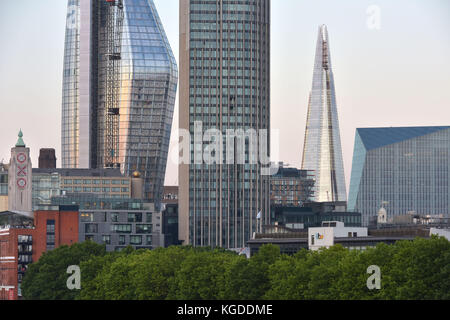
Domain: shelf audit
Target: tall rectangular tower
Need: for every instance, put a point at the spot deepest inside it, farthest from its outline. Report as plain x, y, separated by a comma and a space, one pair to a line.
225, 86
322, 151
20, 176
119, 87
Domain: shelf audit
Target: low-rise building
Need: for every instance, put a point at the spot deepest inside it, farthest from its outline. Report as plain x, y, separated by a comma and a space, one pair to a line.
48, 183
24, 238
313, 214
332, 233
291, 187
329, 232
3, 187
117, 223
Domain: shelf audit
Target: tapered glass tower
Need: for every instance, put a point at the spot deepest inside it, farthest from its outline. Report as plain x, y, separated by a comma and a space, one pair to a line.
119, 86
322, 151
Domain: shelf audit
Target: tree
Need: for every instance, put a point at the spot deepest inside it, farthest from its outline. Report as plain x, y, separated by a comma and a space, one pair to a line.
46, 279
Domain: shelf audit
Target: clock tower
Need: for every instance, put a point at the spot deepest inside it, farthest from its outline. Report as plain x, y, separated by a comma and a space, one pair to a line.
20, 178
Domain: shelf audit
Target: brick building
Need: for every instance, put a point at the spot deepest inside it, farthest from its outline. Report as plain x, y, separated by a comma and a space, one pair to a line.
23, 239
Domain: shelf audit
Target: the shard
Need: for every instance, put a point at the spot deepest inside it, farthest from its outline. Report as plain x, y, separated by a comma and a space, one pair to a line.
322, 151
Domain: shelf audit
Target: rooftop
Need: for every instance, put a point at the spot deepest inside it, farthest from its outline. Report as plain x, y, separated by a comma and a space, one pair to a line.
374, 138
106, 173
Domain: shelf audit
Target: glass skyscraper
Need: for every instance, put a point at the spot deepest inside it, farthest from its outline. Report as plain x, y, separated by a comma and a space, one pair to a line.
224, 85
119, 86
322, 152
401, 169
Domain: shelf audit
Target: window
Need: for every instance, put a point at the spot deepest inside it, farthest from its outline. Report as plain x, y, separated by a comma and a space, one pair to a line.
143, 228
349, 234
312, 240
136, 240
89, 238
50, 239
106, 239
91, 228
134, 217
114, 217
148, 240
87, 217
149, 217
121, 228
122, 240
355, 234
50, 226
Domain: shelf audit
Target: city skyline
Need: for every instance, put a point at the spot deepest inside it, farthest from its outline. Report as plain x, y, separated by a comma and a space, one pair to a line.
402, 49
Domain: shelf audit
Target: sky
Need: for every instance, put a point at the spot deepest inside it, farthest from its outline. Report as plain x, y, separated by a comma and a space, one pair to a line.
392, 73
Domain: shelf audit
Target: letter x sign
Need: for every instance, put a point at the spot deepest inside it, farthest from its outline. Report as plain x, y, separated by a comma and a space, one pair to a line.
22, 171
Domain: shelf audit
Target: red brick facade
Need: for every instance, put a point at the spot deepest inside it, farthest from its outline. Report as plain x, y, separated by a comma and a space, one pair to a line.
17, 248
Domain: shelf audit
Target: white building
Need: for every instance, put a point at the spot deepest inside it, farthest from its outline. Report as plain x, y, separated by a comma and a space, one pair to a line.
325, 236
440, 232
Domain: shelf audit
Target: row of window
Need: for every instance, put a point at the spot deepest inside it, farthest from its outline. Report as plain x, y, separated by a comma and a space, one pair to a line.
120, 228
133, 239
95, 182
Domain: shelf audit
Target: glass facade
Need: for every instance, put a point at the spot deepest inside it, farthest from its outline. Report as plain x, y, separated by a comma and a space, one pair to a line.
228, 85
322, 151
401, 169
45, 186
147, 85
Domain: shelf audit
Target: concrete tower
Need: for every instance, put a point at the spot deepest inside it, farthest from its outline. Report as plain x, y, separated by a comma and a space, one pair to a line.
20, 179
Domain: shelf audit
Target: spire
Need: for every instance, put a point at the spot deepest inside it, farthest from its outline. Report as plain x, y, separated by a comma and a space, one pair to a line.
20, 142
322, 152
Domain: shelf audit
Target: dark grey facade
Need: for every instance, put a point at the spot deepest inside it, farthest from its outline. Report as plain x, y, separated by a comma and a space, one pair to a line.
224, 85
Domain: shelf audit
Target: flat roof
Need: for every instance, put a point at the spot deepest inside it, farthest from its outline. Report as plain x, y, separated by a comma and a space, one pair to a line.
108, 173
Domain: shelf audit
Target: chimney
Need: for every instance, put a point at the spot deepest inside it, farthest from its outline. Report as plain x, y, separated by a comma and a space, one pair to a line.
47, 159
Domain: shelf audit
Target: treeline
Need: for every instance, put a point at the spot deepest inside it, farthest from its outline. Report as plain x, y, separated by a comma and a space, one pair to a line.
416, 270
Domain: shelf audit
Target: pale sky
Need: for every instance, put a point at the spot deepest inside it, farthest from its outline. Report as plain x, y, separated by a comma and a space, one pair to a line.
398, 75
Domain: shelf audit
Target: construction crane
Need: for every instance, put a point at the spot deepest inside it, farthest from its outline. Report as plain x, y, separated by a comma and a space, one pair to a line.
114, 27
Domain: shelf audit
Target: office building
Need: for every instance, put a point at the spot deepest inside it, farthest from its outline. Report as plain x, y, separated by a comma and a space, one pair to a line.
322, 152
119, 87
291, 187
401, 170
224, 86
